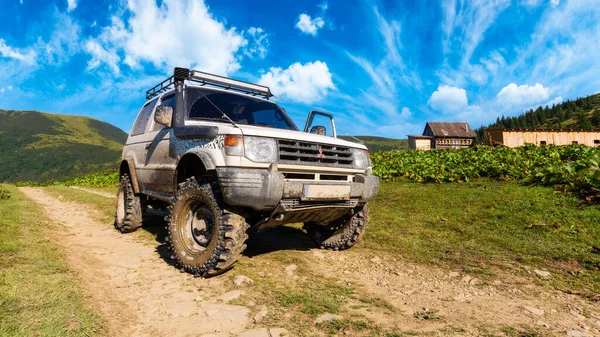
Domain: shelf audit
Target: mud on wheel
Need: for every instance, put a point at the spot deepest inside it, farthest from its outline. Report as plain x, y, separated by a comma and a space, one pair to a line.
342, 233
205, 239
129, 207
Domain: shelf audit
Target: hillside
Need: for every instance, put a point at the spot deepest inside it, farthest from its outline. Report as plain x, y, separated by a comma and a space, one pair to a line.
582, 113
36, 146
375, 144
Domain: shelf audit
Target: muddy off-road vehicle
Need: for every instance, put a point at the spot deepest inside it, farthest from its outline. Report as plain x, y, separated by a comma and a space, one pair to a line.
224, 161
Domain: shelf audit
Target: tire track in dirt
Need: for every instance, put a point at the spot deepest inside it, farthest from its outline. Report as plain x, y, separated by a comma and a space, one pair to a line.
136, 291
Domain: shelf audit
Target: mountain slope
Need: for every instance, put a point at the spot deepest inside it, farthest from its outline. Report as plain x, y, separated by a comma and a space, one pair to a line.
582, 113
375, 144
36, 146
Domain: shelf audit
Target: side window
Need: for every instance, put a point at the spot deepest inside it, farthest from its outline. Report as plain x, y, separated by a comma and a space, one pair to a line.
165, 101
140, 124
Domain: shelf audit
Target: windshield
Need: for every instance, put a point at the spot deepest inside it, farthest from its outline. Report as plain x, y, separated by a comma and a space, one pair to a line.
241, 109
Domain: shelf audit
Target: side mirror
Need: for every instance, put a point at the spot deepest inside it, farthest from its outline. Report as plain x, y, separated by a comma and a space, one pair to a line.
319, 130
309, 122
164, 115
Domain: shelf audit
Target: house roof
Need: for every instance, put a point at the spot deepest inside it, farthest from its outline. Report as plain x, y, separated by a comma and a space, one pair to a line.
451, 129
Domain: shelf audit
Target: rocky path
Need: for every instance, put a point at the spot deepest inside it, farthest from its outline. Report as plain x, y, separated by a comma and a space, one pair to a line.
139, 293
136, 291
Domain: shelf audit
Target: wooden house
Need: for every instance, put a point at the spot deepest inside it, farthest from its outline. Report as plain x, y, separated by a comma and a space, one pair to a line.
443, 135
520, 137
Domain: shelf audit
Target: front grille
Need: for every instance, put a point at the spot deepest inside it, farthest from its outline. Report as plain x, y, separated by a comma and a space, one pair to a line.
305, 153
295, 204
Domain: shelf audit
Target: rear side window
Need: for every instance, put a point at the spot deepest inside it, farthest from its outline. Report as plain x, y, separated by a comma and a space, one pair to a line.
140, 124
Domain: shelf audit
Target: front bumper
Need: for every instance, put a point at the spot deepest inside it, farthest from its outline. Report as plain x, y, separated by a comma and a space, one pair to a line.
265, 189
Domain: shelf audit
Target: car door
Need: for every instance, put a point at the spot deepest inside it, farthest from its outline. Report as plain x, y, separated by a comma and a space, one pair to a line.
136, 144
161, 159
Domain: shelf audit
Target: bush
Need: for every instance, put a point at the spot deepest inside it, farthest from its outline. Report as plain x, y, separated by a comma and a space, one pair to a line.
574, 167
4, 194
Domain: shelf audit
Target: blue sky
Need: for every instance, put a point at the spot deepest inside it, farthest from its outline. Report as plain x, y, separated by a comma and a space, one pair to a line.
382, 67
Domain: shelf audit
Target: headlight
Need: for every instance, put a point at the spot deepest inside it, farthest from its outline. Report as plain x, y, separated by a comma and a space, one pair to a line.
361, 158
260, 150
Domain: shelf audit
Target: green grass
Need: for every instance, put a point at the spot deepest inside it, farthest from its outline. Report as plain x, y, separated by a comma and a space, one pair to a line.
39, 296
318, 299
376, 144
485, 224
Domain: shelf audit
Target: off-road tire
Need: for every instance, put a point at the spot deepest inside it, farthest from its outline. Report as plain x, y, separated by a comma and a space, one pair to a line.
227, 240
342, 233
129, 207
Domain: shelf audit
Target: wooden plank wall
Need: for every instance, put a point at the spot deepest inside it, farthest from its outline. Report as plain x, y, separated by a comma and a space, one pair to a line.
514, 138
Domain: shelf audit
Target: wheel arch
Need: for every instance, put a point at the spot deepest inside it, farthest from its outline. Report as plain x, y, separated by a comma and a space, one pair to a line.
194, 164
128, 167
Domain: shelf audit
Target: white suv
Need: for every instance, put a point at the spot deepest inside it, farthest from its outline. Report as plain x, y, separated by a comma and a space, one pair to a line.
224, 160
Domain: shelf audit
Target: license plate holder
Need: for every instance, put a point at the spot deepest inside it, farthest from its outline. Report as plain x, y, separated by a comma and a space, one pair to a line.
326, 192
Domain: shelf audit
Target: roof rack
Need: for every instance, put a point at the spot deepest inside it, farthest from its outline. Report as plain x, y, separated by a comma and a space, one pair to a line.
181, 74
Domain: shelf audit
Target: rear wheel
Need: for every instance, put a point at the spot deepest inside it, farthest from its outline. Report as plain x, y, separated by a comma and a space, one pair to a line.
129, 207
204, 238
342, 233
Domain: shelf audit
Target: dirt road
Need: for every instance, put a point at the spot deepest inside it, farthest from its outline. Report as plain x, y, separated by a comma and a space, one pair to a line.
139, 293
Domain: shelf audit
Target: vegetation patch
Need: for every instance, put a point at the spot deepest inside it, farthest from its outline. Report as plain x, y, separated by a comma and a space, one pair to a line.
38, 294
378, 302
108, 178
326, 297
574, 167
427, 315
4, 194
335, 326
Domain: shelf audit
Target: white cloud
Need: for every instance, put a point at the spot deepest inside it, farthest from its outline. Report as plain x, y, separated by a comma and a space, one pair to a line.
176, 33
522, 95
101, 56
555, 2
7, 51
309, 26
71, 5
64, 40
448, 99
8, 88
305, 83
258, 45
464, 24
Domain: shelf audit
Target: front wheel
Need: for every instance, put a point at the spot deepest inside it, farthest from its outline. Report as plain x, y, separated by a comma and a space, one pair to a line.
204, 238
342, 233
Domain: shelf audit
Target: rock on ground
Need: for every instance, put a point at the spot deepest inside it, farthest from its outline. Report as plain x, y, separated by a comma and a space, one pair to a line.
231, 295
327, 317
241, 280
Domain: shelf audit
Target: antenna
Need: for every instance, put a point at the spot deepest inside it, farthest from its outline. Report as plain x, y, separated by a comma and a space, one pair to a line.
351, 136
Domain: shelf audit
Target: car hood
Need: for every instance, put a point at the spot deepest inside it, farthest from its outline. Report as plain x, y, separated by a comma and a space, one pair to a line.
250, 130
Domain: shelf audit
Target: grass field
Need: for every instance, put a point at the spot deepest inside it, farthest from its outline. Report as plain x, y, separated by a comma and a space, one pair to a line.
486, 225
39, 296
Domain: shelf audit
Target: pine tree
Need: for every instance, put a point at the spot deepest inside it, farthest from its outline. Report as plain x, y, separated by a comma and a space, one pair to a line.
596, 118
583, 120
